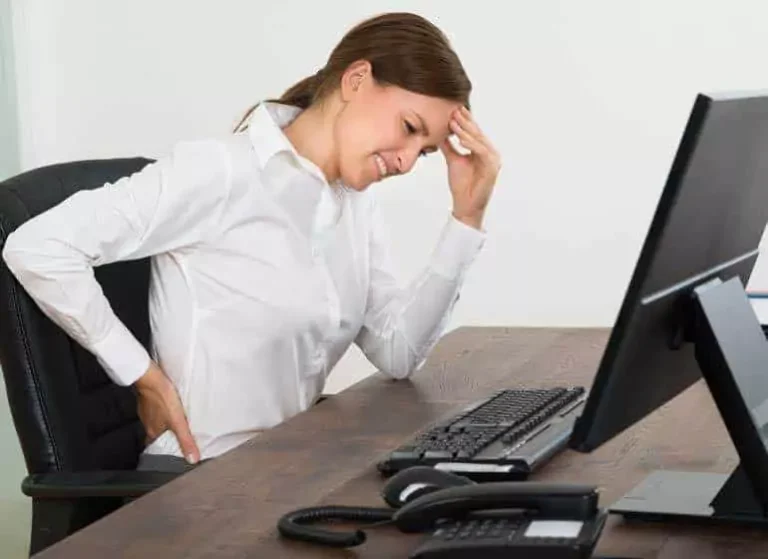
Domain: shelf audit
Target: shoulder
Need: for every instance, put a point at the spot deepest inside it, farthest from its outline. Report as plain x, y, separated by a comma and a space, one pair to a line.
191, 165
215, 155
210, 166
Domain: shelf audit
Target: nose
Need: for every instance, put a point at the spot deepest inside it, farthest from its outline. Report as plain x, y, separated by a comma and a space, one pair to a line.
406, 159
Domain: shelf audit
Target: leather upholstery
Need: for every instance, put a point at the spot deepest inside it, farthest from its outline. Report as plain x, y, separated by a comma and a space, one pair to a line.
68, 414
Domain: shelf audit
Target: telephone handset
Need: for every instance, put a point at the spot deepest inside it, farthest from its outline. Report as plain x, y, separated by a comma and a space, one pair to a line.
543, 499
500, 519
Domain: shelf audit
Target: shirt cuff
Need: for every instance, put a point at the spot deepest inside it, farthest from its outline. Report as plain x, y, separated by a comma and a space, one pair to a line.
457, 248
124, 359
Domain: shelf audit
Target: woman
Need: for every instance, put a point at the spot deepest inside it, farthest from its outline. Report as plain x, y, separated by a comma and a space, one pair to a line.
268, 258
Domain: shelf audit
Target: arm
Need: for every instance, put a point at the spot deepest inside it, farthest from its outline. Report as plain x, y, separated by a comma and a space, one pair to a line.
167, 205
401, 326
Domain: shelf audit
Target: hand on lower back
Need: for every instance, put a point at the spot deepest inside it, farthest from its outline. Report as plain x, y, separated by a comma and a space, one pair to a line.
160, 410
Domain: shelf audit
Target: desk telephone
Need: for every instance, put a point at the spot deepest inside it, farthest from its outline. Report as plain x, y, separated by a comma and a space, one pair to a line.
498, 519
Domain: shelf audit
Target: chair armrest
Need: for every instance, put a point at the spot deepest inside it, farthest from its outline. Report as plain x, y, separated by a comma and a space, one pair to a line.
108, 483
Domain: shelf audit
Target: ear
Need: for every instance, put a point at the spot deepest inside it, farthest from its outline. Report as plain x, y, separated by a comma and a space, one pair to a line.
355, 77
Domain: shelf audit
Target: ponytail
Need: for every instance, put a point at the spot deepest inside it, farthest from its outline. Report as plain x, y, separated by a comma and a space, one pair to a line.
302, 94
305, 92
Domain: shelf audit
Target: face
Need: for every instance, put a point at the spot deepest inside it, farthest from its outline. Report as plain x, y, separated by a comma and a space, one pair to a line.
381, 131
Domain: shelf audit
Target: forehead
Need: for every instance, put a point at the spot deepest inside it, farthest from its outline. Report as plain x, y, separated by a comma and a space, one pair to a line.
436, 112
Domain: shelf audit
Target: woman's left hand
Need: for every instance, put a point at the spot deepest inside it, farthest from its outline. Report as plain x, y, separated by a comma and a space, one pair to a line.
471, 177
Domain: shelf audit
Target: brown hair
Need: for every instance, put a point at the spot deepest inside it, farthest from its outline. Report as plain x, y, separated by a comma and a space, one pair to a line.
404, 50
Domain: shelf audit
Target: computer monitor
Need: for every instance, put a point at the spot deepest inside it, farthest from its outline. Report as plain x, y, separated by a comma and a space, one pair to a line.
686, 315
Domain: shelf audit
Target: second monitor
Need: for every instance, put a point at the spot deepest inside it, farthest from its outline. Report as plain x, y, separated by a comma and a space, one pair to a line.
686, 315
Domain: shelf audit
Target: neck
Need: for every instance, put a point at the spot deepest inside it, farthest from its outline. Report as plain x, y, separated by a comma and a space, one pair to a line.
311, 134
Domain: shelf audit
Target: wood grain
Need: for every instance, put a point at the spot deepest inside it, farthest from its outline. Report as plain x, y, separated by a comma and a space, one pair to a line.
228, 508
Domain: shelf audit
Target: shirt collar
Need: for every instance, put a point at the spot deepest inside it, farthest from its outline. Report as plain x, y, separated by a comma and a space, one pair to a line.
265, 130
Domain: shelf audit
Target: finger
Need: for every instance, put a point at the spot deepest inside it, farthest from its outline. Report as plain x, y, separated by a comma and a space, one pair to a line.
466, 121
449, 150
480, 146
468, 140
180, 427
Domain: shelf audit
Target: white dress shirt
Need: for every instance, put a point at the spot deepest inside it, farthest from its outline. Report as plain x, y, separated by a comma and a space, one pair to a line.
263, 274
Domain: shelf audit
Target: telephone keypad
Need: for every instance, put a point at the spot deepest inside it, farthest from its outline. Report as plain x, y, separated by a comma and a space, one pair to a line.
496, 537
478, 529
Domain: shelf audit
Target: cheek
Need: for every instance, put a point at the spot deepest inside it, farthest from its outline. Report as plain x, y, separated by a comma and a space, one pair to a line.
356, 144
374, 128
352, 152
353, 158
350, 134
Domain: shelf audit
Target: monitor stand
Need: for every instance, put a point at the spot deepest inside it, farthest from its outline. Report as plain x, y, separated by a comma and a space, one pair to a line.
732, 353
693, 497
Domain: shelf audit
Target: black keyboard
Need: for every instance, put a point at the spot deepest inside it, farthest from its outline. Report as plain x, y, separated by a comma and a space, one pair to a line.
504, 436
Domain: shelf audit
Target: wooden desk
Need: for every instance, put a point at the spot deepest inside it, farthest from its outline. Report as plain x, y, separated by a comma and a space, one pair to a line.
229, 507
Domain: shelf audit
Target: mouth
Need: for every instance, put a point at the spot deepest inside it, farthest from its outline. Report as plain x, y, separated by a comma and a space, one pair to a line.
381, 165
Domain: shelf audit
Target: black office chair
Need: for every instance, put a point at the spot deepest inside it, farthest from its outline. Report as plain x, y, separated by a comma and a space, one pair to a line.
79, 432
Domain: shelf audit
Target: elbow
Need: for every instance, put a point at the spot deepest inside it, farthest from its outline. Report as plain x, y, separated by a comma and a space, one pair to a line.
404, 367
26, 254
398, 372
395, 357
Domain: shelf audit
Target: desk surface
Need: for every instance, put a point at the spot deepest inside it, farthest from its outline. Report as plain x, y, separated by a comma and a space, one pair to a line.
229, 507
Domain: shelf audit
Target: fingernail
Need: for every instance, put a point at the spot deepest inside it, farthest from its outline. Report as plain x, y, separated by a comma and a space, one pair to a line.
191, 459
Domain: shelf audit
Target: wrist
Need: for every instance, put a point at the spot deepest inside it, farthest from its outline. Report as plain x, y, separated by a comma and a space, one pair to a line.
474, 220
150, 379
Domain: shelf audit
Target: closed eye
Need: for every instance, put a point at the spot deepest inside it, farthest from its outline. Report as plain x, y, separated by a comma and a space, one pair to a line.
411, 129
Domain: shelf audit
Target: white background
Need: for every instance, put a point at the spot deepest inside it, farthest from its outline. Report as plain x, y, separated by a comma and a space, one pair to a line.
585, 100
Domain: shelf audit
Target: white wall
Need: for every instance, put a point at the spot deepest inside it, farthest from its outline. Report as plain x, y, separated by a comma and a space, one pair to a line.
9, 152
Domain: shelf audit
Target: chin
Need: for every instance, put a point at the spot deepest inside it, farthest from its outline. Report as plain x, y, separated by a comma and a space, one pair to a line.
356, 181
358, 187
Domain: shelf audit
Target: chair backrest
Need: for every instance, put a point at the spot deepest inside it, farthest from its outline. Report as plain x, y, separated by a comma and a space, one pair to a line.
68, 414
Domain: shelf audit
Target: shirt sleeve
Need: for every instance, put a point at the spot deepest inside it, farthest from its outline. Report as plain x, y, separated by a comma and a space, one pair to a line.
402, 324
169, 204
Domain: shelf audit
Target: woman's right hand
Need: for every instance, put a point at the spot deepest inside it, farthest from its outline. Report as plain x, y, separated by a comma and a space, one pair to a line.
160, 409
